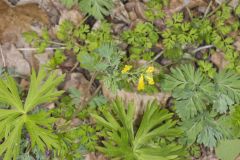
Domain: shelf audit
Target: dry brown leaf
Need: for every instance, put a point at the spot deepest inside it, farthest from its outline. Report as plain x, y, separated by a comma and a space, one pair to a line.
237, 43
219, 60
93, 156
77, 80
24, 84
50, 106
119, 13
178, 5
72, 15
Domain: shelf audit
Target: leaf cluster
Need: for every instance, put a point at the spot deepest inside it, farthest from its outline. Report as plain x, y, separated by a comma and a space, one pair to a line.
197, 96
141, 39
96, 8
21, 115
127, 141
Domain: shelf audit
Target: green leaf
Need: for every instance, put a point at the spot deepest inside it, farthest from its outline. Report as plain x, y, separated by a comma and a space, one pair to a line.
228, 149
42, 92
190, 88
9, 93
228, 83
96, 8
203, 129
123, 141
38, 125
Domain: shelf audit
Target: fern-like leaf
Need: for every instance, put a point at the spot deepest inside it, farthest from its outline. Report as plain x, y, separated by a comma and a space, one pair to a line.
96, 8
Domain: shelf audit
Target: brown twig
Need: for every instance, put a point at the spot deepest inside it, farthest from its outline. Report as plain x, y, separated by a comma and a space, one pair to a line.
86, 101
34, 49
3, 58
74, 67
201, 48
208, 8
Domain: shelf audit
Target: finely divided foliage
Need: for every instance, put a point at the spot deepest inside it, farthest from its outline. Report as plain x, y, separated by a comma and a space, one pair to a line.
38, 125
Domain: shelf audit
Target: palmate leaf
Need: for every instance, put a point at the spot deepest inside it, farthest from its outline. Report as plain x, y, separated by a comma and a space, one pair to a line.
228, 86
39, 125
9, 93
191, 90
204, 129
96, 8
228, 149
40, 92
124, 142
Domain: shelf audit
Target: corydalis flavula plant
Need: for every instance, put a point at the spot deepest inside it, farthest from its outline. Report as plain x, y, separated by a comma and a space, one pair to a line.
19, 116
126, 142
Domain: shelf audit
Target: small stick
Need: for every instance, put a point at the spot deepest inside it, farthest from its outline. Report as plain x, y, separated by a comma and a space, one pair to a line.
201, 48
208, 8
3, 58
34, 49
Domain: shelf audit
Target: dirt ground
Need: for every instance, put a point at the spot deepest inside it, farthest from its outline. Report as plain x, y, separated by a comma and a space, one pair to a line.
15, 20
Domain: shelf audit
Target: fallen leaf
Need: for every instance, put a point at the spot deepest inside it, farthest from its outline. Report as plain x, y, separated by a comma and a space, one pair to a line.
219, 60
93, 156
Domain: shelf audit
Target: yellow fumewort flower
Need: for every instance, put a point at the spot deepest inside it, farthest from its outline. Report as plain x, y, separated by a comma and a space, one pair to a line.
150, 80
126, 68
150, 69
141, 83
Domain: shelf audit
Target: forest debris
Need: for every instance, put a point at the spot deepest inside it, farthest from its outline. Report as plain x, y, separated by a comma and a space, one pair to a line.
71, 15
93, 156
237, 43
119, 13
219, 60
50, 106
140, 100
21, 2
138, 8
24, 84
77, 80
14, 59
178, 5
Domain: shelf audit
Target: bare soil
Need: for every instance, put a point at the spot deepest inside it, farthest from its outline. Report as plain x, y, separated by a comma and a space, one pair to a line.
15, 20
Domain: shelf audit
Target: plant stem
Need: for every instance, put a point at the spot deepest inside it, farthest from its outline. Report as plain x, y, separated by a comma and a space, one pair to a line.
34, 49
92, 81
154, 59
86, 101
208, 8
216, 9
201, 48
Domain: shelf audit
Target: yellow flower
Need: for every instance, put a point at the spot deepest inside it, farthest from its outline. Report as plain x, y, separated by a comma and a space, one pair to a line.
126, 68
141, 83
150, 80
150, 69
